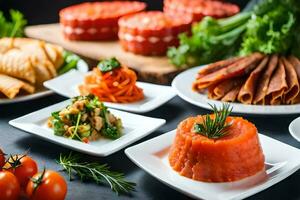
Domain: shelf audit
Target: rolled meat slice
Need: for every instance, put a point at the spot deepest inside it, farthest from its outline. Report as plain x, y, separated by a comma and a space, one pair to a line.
264, 80
292, 82
296, 64
247, 91
221, 89
10, 86
239, 68
231, 96
277, 86
217, 66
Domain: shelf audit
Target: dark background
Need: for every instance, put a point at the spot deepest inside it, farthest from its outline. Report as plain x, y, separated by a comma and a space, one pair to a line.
46, 11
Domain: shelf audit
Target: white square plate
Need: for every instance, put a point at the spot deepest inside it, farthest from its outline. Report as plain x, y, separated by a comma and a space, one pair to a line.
135, 127
155, 95
281, 161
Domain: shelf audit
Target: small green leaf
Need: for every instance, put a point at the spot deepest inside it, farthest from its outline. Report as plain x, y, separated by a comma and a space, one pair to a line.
109, 64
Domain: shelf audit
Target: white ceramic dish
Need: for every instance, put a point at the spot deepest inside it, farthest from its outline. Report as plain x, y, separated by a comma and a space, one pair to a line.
135, 127
81, 66
183, 87
294, 129
282, 160
155, 95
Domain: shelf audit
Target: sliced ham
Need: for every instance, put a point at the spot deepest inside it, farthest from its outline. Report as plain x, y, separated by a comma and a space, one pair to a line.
217, 66
292, 82
277, 86
238, 68
231, 96
247, 91
221, 89
264, 80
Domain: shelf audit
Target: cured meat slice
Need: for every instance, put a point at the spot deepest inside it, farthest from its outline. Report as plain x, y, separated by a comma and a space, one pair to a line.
277, 86
231, 96
262, 87
292, 81
247, 91
221, 89
239, 68
217, 66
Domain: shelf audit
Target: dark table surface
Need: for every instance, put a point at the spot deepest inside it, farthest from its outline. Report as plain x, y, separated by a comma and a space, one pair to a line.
17, 141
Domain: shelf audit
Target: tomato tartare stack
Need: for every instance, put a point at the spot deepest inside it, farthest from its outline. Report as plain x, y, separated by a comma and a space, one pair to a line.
96, 20
217, 148
152, 32
200, 8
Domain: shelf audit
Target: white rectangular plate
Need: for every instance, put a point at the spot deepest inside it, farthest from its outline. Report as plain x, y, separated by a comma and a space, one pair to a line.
281, 161
135, 127
155, 95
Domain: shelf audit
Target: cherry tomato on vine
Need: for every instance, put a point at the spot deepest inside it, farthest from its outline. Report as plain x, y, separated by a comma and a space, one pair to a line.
48, 185
23, 167
9, 186
2, 159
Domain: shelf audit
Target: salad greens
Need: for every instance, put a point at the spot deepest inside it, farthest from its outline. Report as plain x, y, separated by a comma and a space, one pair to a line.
13, 27
271, 26
70, 62
85, 119
99, 173
108, 64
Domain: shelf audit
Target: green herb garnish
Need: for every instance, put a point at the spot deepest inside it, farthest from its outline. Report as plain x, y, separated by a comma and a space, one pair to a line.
109, 64
13, 27
215, 127
270, 26
70, 62
93, 171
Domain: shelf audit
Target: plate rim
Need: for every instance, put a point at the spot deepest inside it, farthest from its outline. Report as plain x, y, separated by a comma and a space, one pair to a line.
92, 150
291, 130
244, 194
250, 111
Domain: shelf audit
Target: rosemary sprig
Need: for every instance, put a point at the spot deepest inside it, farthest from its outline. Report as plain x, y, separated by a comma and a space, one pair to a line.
100, 173
215, 127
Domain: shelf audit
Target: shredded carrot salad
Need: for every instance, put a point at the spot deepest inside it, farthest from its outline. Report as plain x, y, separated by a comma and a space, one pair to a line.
118, 85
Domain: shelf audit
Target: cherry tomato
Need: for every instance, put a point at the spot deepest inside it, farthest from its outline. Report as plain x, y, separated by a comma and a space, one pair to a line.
2, 159
23, 167
9, 186
50, 185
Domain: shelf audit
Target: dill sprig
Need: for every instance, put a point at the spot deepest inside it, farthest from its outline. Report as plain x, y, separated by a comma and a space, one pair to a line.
93, 171
215, 127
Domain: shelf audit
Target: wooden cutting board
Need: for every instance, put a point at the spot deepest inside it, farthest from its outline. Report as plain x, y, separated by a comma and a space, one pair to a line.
148, 68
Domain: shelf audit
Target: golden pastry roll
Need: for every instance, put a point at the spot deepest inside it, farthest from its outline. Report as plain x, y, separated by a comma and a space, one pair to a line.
277, 86
44, 68
220, 90
17, 64
5, 45
238, 68
55, 54
292, 81
217, 66
247, 91
264, 80
231, 96
10, 86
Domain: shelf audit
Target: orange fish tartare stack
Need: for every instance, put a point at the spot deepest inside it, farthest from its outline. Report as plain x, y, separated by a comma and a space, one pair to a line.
232, 157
